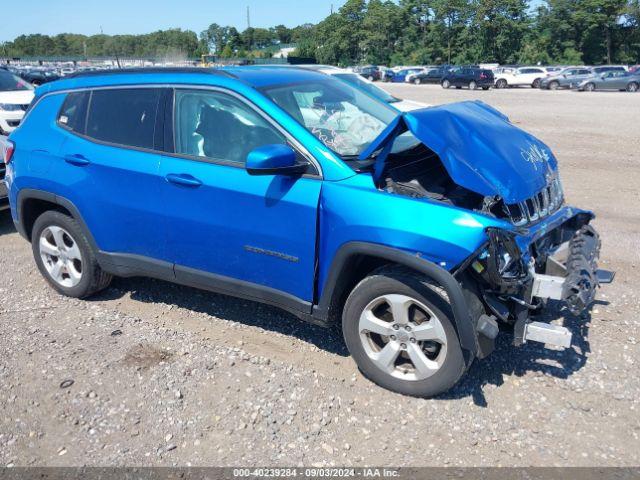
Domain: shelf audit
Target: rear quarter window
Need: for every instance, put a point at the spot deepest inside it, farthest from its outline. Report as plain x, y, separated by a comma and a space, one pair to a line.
124, 116
73, 114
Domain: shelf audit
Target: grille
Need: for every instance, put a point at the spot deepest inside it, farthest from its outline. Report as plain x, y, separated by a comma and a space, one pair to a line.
541, 205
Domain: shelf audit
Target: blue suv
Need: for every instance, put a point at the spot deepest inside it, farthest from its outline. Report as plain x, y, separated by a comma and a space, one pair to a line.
421, 234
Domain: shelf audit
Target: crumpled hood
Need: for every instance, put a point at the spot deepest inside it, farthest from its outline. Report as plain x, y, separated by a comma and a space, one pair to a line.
481, 150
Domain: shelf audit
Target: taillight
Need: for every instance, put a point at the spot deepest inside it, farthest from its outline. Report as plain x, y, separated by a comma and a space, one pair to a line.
9, 148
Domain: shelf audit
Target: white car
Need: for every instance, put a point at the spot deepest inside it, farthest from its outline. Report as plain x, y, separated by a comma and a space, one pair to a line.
369, 87
15, 97
519, 77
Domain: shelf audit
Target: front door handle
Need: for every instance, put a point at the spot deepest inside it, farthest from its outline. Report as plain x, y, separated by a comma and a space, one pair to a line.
183, 179
77, 159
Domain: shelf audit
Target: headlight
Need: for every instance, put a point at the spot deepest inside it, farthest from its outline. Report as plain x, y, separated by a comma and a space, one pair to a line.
10, 107
503, 258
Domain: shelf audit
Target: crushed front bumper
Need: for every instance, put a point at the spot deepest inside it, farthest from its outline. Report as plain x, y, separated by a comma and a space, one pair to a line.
558, 261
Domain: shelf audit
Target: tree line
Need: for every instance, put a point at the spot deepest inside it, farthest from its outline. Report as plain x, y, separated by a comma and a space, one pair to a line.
391, 33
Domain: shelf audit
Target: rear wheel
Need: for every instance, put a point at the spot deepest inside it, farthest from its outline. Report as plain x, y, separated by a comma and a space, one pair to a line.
65, 257
632, 87
554, 85
417, 81
400, 333
536, 83
370, 78
473, 85
446, 83
589, 87
502, 83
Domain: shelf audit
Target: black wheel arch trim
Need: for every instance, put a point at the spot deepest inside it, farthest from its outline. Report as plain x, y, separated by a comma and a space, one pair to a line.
29, 194
462, 317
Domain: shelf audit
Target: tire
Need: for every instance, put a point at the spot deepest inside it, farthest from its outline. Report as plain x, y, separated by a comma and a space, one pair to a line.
502, 83
632, 87
417, 81
51, 229
589, 87
370, 78
536, 83
554, 85
473, 85
441, 361
485, 88
446, 83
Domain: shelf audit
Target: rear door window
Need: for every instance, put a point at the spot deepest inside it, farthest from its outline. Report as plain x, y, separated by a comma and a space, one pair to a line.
124, 116
73, 114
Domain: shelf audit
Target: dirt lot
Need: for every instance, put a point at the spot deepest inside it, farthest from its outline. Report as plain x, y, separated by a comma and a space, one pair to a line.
167, 375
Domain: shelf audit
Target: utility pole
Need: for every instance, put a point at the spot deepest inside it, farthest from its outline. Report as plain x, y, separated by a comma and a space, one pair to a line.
248, 18
332, 9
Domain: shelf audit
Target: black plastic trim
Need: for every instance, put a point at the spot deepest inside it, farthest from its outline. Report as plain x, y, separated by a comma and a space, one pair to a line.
28, 193
462, 317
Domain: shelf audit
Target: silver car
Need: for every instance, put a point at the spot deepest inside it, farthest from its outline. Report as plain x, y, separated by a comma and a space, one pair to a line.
611, 81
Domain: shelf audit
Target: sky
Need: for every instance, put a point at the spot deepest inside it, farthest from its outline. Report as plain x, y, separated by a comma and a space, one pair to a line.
51, 17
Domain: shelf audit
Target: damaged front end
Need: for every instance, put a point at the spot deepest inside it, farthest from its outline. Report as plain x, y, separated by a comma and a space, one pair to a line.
520, 271
471, 157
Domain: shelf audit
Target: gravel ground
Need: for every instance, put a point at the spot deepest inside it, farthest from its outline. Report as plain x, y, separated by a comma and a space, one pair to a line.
150, 373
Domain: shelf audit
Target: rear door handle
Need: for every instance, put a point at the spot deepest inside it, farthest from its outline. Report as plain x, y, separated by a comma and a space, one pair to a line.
77, 160
183, 179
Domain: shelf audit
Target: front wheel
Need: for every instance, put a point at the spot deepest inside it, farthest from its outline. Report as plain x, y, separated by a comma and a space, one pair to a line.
65, 257
502, 83
589, 87
446, 84
417, 81
473, 85
632, 87
554, 85
400, 333
536, 83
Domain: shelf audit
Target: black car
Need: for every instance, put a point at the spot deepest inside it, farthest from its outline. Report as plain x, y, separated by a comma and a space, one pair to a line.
471, 77
371, 72
38, 77
435, 75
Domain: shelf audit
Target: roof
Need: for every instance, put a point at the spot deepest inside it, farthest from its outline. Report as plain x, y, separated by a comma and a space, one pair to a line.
254, 76
263, 76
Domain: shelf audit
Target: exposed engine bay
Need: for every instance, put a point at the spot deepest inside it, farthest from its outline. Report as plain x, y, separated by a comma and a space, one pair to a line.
419, 173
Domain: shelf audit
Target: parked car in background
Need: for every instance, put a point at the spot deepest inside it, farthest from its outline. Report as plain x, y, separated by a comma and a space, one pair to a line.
608, 68
431, 76
564, 78
612, 80
520, 77
401, 75
39, 77
15, 96
371, 72
386, 74
468, 77
420, 235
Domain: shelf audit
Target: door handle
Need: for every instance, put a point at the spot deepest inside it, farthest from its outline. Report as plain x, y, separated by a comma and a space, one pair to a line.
77, 160
183, 179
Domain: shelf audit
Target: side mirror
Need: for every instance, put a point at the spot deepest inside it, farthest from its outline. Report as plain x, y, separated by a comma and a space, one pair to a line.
276, 159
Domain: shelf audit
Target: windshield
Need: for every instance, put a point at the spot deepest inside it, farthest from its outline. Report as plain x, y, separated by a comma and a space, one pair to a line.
344, 118
10, 83
370, 88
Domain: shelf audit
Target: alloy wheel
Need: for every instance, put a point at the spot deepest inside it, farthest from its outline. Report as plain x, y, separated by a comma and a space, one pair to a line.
61, 256
632, 87
446, 84
403, 337
589, 87
472, 85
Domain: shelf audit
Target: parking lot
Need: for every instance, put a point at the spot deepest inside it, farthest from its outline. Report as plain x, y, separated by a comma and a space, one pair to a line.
150, 373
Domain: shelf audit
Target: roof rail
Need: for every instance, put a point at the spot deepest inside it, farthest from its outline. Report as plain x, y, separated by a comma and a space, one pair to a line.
125, 71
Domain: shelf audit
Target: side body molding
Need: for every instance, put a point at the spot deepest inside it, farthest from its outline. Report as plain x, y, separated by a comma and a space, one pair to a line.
462, 318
